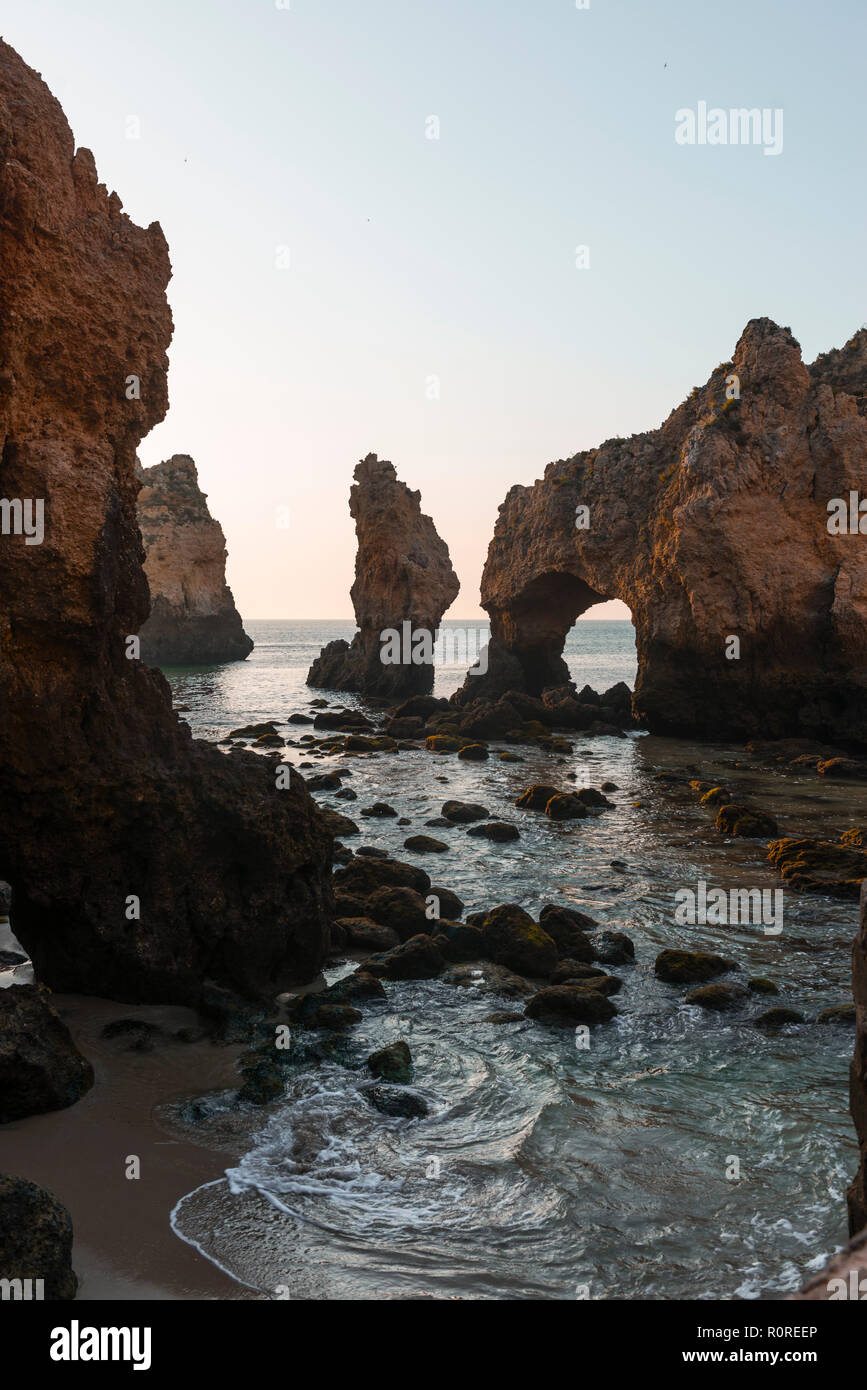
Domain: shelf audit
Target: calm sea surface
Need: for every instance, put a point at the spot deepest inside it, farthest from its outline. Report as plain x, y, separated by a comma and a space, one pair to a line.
684, 1154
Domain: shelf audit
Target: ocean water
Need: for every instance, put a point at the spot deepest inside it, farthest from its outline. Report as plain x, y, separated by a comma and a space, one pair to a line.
683, 1154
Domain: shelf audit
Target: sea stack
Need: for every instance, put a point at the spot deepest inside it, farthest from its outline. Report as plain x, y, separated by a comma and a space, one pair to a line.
193, 619
143, 863
404, 582
730, 533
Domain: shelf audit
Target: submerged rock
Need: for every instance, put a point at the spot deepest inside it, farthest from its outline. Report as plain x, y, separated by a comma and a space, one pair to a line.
392, 1063
570, 1004
400, 1104
719, 998
499, 831
743, 821
689, 967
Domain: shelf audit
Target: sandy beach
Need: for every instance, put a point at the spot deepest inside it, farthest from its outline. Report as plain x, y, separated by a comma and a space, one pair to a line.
124, 1245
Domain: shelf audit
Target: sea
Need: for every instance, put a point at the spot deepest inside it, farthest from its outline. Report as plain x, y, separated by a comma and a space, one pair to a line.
675, 1154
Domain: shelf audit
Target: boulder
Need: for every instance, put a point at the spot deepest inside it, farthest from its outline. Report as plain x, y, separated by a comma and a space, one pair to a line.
513, 939
689, 967
41, 1069
36, 1239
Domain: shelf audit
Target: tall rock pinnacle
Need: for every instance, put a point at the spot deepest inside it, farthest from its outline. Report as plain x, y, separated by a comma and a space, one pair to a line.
403, 575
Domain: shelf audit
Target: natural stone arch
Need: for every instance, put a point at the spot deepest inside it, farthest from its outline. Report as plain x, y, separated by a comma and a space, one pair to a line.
713, 526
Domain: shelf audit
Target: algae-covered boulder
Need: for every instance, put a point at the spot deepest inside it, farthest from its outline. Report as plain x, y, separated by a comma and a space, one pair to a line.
745, 822
569, 1004
690, 967
401, 909
819, 866
568, 929
513, 939
536, 798
719, 998
458, 941
392, 1063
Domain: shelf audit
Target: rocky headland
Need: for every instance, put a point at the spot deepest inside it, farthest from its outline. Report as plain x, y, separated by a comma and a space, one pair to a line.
721, 531
193, 619
404, 582
143, 863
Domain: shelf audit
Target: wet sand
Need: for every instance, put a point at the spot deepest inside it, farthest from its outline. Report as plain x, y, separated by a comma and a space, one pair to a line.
124, 1245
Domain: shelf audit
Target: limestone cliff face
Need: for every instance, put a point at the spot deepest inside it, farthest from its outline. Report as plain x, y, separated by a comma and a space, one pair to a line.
142, 861
193, 619
403, 574
714, 526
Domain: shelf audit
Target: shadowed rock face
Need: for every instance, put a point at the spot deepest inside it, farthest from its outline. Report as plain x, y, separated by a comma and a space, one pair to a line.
106, 797
403, 574
714, 525
193, 620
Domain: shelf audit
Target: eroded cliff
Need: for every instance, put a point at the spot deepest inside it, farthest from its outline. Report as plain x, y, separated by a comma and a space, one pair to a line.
193, 619
142, 861
711, 528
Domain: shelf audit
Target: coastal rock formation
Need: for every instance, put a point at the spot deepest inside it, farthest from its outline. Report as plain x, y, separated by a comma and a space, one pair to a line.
35, 1240
193, 620
858, 1071
711, 528
404, 582
41, 1069
142, 862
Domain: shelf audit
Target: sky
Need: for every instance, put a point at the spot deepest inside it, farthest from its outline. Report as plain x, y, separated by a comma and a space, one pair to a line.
373, 212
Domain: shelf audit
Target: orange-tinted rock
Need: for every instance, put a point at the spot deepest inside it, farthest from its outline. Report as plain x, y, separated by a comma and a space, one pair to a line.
403, 575
110, 808
193, 619
713, 525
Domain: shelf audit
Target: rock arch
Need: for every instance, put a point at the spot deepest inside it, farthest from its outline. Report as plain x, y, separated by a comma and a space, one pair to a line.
713, 526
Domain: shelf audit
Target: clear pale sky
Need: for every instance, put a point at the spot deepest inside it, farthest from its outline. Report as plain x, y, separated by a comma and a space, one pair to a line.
410, 258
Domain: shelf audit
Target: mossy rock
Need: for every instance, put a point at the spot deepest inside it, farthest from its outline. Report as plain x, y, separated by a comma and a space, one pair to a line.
536, 798
474, 753
776, 1017
820, 866
443, 743
569, 1005
838, 1013
690, 967
392, 1063
513, 939
718, 998
746, 823
759, 985
715, 797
